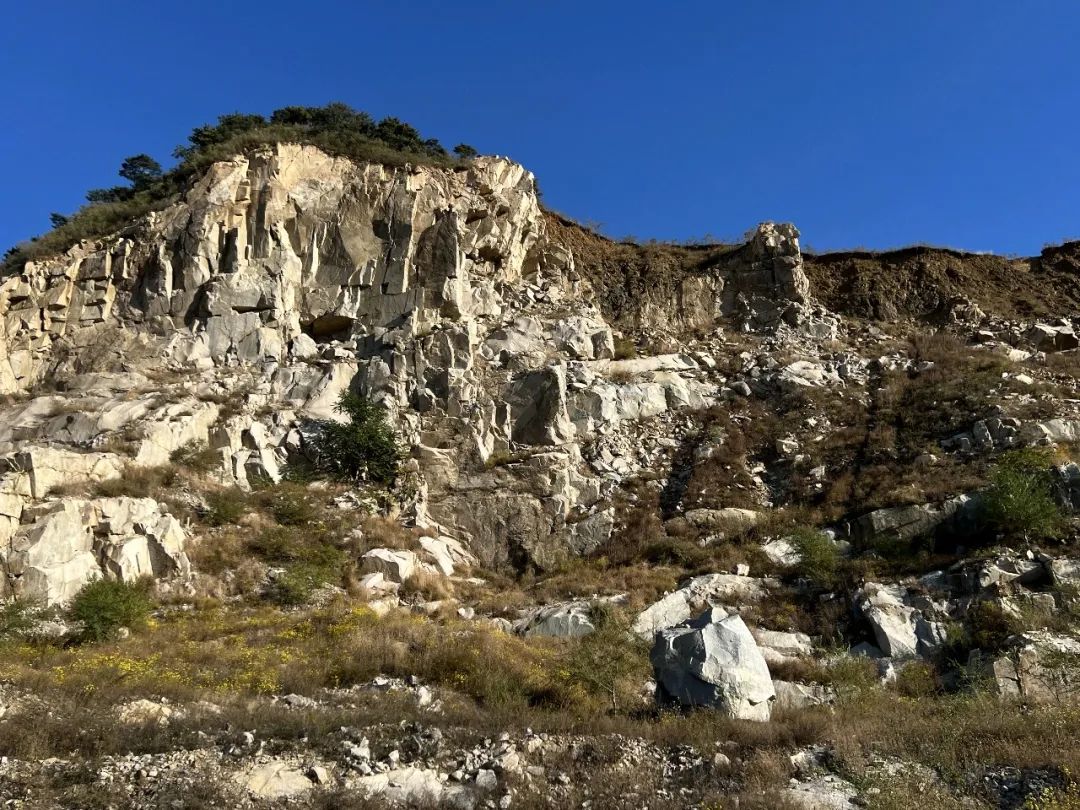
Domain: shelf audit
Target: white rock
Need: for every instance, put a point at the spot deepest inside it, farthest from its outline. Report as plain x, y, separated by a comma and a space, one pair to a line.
713, 661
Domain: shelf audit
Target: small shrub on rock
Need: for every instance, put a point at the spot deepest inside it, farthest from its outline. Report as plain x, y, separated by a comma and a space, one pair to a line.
226, 506
104, 606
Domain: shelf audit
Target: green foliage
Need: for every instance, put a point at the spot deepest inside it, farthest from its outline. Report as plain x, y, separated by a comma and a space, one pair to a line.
197, 456
336, 128
292, 506
1020, 501
225, 506
362, 449
104, 606
609, 661
916, 679
295, 586
820, 558
465, 152
988, 627
20, 616
141, 170
57, 220
625, 348
287, 545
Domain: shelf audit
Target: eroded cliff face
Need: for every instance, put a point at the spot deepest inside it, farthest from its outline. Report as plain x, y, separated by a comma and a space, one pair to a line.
285, 277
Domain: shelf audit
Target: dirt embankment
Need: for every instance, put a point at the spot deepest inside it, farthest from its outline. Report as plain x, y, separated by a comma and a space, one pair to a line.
920, 282
635, 282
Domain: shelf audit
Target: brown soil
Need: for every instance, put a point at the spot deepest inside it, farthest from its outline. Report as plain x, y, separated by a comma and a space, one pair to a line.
920, 282
631, 279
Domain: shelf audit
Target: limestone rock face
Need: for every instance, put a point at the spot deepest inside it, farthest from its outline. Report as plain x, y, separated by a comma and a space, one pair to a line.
64, 544
713, 661
286, 276
565, 620
710, 590
1037, 666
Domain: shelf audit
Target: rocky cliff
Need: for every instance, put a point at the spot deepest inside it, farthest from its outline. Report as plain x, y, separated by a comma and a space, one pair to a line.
286, 277
797, 490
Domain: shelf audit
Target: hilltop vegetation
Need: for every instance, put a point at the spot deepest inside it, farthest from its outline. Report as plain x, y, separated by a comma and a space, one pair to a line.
336, 128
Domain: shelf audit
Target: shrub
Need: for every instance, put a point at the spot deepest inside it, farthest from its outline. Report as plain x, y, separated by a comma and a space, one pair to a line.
197, 456
917, 679
625, 348
20, 616
820, 558
336, 128
225, 506
104, 606
283, 545
362, 449
295, 586
465, 152
1020, 501
610, 661
291, 505
988, 626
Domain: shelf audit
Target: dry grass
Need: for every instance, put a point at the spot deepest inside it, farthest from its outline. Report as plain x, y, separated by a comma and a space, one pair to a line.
501, 682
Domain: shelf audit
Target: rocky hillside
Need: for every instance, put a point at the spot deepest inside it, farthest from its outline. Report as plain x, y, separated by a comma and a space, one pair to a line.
672, 526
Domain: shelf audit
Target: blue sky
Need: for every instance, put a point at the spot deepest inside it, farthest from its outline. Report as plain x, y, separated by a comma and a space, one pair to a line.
866, 124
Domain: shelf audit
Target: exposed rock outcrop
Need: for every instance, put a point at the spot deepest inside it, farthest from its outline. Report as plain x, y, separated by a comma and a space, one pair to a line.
714, 661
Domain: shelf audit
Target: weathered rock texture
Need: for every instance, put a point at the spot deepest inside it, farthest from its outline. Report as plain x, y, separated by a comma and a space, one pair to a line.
287, 276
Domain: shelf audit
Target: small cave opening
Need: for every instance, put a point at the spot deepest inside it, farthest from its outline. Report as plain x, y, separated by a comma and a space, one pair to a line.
328, 328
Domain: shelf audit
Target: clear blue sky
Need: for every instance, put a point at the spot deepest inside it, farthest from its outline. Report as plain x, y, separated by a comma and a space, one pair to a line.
865, 123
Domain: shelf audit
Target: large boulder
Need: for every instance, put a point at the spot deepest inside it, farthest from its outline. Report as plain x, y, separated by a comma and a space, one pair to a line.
713, 661
901, 631
65, 544
414, 787
779, 648
538, 407
1047, 338
563, 620
275, 780
909, 522
446, 554
395, 565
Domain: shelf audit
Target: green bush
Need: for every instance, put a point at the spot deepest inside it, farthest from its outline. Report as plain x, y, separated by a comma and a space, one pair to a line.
625, 348
820, 558
291, 505
362, 449
20, 616
1020, 500
104, 606
336, 128
988, 627
225, 506
295, 586
610, 661
286, 545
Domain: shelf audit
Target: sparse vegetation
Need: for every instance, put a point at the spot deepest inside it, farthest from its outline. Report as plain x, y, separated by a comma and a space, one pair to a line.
819, 558
610, 661
336, 128
225, 506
